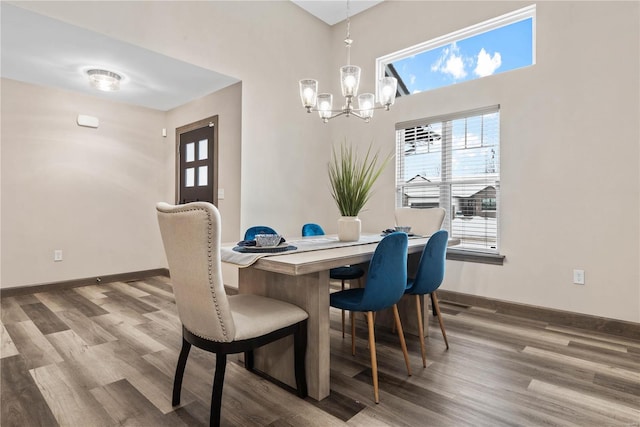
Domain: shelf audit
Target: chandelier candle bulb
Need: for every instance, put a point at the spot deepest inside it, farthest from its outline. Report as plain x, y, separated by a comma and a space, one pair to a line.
388, 87
366, 102
350, 78
308, 92
325, 105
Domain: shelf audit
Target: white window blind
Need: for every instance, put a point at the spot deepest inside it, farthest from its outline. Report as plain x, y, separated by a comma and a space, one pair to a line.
453, 161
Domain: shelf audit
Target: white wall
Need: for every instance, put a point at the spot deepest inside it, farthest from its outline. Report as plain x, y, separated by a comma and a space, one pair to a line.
569, 149
88, 192
566, 202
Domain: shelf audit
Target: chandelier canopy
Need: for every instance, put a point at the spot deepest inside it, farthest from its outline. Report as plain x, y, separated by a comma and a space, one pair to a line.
349, 80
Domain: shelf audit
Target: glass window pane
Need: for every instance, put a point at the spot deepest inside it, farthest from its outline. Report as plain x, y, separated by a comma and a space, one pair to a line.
495, 50
189, 177
190, 152
203, 146
458, 170
202, 176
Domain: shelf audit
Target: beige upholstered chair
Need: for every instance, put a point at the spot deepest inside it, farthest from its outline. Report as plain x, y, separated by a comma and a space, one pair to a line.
422, 221
211, 320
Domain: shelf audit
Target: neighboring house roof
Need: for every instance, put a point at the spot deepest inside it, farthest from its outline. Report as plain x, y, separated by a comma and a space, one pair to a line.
420, 178
390, 71
433, 192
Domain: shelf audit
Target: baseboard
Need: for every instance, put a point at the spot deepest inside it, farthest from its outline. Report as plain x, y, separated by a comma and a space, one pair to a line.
66, 284
556, 317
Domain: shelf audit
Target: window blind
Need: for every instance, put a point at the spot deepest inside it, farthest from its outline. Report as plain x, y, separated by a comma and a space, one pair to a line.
453, 161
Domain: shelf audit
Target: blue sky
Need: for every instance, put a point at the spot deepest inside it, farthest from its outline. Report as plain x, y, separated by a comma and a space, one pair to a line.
493, 52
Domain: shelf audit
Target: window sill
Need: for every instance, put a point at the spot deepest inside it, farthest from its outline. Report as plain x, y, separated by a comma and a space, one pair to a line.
469, 256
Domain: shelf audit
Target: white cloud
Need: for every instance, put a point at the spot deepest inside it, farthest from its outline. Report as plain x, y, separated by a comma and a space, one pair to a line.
450, 62
455, 67
487, 64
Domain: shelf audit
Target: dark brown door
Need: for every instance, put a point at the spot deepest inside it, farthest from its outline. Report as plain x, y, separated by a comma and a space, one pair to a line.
197, 162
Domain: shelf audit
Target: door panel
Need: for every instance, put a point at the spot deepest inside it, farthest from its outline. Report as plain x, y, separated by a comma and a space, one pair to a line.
197, 163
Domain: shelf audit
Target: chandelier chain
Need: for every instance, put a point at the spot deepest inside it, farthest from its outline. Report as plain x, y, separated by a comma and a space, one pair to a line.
348, 40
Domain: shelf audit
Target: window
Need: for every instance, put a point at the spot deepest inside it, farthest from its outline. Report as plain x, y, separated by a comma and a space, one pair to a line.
453, 161
501, 44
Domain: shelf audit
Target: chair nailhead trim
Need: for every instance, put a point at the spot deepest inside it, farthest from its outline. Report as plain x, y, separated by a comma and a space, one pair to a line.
211, 284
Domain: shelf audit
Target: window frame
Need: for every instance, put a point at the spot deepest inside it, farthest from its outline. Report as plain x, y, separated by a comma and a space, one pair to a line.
467, 254
528, 12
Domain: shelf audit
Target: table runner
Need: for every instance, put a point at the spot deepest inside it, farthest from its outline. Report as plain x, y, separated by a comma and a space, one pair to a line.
305, 244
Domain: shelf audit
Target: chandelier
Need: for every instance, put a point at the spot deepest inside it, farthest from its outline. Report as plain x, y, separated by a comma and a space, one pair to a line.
349, 80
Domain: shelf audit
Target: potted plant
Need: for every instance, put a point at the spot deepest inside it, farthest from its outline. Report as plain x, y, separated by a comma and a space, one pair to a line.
352, 178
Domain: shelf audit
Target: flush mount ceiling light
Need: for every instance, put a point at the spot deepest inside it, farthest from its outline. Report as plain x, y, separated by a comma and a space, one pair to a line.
105, 80
350, 80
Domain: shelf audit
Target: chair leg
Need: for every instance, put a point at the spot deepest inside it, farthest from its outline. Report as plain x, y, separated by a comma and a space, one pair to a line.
248, 360
216, 394
421, 332
182, 362
300, 353
436, 306
374, 361
353, 333
403, 343
342, 312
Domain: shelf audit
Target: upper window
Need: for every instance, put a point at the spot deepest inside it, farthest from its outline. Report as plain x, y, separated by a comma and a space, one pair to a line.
453, 161
501, 44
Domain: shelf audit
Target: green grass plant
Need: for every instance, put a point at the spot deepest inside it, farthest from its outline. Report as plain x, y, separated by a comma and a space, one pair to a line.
352, 177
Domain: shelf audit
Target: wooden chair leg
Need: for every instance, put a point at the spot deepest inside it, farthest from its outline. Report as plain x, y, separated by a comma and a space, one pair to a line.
248, 360
374, 361
182, 363
421, 332
216, 394
436, 306
300, 352
342, 312
403, 343
353, 333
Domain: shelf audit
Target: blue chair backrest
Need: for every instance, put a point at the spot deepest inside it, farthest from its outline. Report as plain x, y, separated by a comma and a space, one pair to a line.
312, 230
251, 232
432, 264
387, 276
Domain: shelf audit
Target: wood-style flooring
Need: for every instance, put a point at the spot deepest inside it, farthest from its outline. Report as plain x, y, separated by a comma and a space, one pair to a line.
105, 355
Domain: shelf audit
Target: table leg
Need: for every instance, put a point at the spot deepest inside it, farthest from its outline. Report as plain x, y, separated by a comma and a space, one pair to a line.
310, 292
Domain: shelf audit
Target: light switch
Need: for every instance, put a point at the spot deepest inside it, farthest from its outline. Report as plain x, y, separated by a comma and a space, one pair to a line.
220, 193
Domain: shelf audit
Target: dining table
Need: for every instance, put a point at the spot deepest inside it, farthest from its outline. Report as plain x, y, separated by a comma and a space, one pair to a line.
300, 275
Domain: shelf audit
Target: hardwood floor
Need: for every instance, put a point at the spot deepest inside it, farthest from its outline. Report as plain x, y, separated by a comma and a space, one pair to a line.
105, 355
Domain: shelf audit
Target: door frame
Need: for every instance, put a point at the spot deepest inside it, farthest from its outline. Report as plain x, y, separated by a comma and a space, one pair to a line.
210, 121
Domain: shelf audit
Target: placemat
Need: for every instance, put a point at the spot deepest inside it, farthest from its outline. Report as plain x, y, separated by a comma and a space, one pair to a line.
260, 250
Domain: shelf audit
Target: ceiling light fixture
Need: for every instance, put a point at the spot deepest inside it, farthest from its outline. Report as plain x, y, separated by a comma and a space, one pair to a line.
105, 80
349, 80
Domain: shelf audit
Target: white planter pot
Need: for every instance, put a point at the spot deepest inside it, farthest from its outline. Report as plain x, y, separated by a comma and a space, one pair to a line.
349, 228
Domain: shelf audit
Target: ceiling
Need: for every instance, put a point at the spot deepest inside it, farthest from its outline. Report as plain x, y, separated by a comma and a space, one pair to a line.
149, 79
331, 11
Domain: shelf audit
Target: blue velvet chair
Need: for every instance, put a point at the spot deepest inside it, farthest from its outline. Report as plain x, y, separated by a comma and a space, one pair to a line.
385, 285
251, 232
347, 272
428, 279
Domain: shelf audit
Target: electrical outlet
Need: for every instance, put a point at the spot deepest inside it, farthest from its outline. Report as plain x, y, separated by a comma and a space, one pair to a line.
578, 277
57, 255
